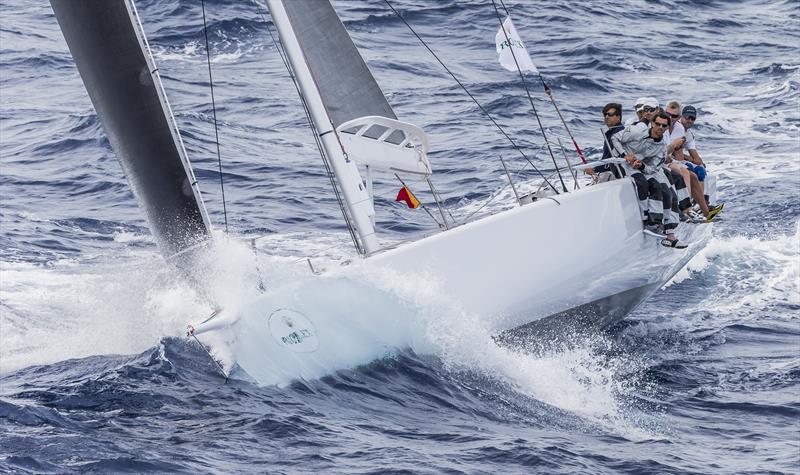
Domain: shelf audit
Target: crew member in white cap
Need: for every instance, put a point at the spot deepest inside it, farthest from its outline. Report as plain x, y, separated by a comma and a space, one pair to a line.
646, 108
637, 107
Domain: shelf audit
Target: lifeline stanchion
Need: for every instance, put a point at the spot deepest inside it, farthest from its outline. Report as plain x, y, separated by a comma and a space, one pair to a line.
569, 165
510, 180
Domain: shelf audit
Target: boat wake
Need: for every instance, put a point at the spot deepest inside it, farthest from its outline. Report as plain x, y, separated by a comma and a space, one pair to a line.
775, 271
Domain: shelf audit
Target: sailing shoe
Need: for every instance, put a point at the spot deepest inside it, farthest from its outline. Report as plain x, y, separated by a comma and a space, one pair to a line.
694, 217
654, 230
674, 243
713, 212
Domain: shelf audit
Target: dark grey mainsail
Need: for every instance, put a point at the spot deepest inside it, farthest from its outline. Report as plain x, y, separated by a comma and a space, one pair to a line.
112, 56
347, 87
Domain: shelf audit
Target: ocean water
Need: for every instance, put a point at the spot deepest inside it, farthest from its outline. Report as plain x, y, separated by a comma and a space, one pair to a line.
96, 374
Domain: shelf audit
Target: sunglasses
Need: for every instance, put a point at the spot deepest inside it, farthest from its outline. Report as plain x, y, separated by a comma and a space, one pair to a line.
611, 114
663, 125
689, 117
648, 109
674, 116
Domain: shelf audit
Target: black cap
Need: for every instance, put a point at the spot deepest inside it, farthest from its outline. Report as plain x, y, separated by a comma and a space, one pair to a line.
690, 111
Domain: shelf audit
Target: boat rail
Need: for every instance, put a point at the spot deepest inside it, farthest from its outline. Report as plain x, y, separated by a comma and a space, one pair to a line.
542, 184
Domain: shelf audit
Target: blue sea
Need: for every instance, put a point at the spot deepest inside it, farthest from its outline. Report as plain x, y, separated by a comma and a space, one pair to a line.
97, 375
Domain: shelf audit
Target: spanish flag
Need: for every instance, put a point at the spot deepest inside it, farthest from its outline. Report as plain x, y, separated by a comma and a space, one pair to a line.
406, 195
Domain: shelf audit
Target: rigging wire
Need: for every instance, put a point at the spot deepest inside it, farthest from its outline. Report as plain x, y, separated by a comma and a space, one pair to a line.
549, 93
485, 112
214, 109
320, 148
528, 93
499, 191
443, 224
203, 347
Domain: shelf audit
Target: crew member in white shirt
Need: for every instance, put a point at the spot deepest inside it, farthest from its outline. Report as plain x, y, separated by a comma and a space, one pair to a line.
680, 176
693, 162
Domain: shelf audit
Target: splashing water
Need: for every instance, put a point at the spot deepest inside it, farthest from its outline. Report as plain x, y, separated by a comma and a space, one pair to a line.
109, 309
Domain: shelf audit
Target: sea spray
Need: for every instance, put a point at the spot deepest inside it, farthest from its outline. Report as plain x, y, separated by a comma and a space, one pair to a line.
585, 376
87, 309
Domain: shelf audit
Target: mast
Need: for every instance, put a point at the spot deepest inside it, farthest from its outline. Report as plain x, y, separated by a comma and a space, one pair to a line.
109, 47
320, 53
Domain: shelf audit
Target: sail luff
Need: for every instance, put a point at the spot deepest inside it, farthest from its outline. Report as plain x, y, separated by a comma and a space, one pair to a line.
111, 53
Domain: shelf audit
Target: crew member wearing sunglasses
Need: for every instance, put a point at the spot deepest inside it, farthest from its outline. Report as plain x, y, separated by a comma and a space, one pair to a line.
612, 116
637, 112
645, 150
647, 108
682, 179
694, 162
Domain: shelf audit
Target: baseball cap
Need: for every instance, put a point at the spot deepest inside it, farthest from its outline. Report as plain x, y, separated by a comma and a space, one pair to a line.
638, 104
650, 101
690, 111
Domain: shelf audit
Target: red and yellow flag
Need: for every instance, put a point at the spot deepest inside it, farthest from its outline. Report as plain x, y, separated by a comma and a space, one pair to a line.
406, 195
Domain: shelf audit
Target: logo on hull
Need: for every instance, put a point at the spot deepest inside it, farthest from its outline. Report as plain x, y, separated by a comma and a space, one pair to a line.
293, 330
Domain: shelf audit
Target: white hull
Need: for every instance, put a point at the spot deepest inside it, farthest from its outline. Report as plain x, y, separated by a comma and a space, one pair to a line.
548, 256
583, 250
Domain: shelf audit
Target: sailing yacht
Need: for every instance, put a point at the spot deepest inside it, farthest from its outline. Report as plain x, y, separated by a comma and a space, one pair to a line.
578, 257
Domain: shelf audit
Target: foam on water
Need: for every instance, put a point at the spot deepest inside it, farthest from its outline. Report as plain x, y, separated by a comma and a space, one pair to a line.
194, 51
578, 378
224, 48
107, 308
122, 304
772, 277
70, 310
772, 274
126, 237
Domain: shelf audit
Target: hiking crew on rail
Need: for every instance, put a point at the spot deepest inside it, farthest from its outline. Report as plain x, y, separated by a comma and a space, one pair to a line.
667, 180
